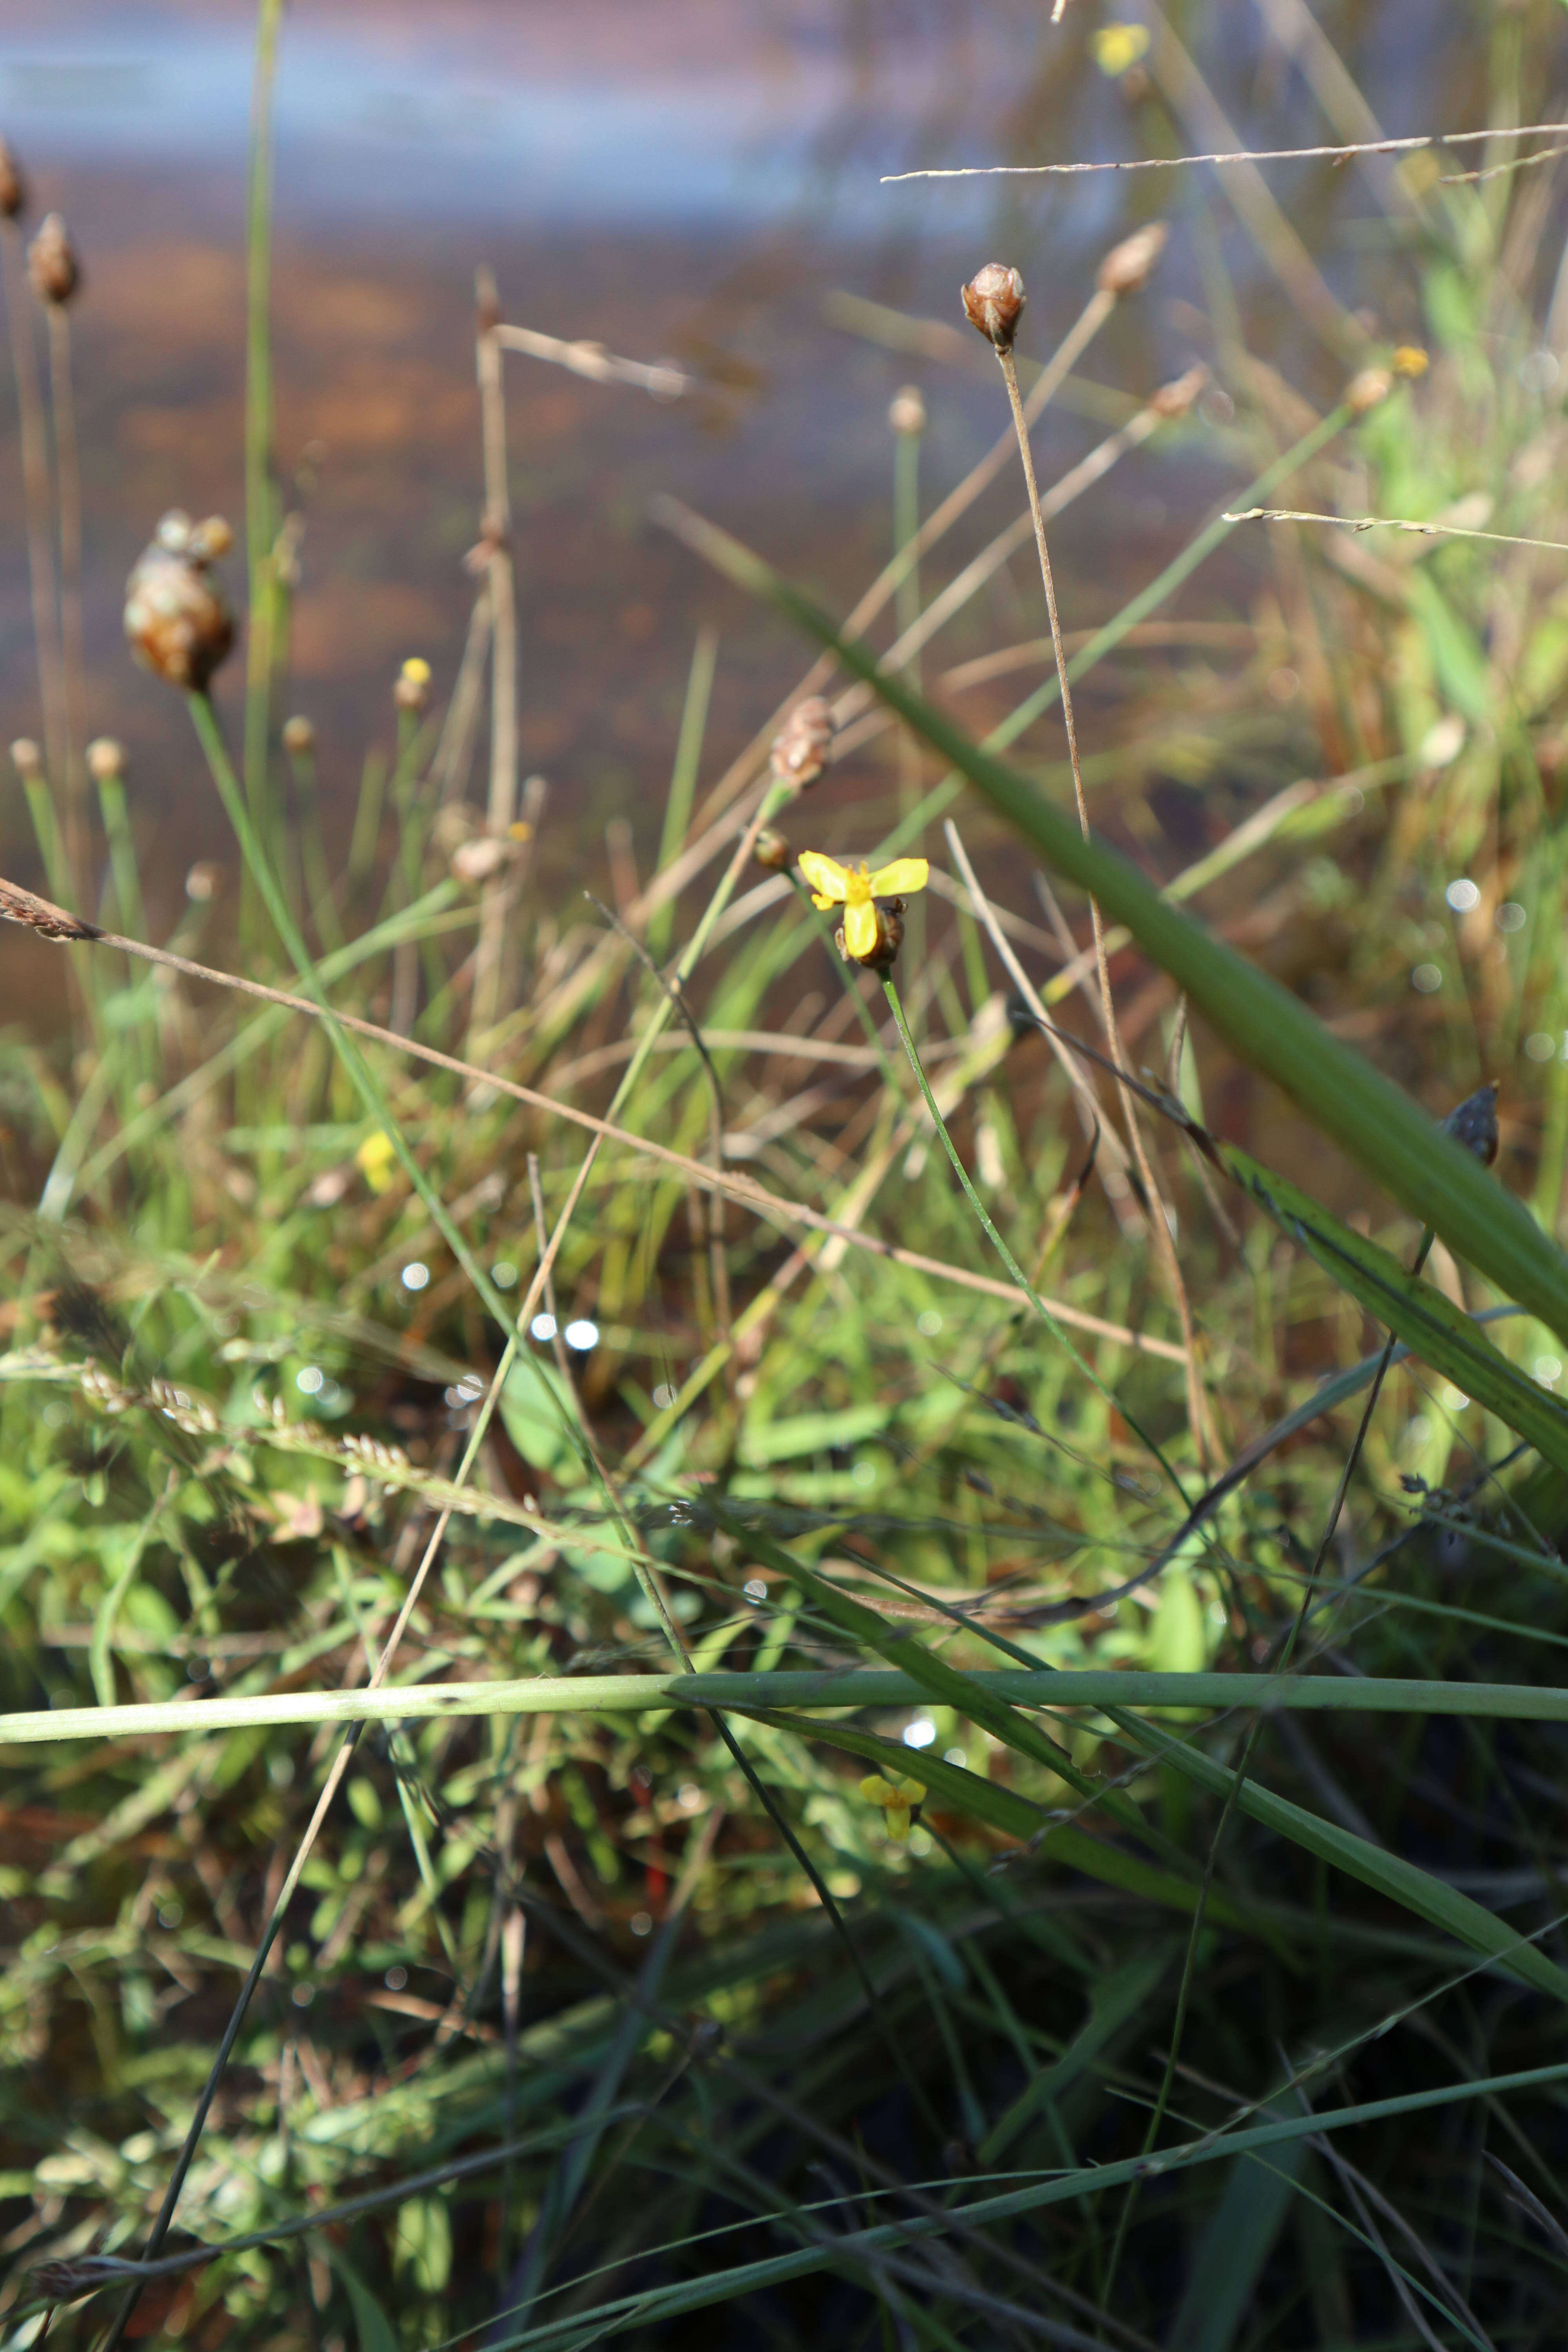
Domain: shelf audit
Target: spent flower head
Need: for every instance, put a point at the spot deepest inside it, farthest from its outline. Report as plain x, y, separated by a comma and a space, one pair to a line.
994, 303
869, 935
176, 615
800, 748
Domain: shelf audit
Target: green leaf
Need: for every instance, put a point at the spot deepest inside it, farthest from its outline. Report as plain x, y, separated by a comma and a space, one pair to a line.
1374, 1120
1237, 2241
1431, 1326
376, 2331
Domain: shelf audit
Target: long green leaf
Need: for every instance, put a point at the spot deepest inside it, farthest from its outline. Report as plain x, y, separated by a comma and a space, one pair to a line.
1372, 1120
1431, 1326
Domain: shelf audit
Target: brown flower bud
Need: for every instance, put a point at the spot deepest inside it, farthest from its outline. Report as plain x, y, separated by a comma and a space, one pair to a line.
771, 850
412, 691
889, 939
800, 748
1368, 390
176, 616
1128, 267
105, 760
994, 303
1175, 398
26, 757
13, 187
299, 737
52, 263
908, 412
1473, 1123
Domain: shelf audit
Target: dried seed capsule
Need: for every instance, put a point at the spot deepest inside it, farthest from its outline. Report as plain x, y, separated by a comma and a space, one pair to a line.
299, 737
1128, 267
105, 760
889, 939
800, 748
176, 616
481, 858
994, 303
1368, 390
26, 757
412, 691
771, 850
908, 412
1473, 1123
12, 186
52, 263
1175, 398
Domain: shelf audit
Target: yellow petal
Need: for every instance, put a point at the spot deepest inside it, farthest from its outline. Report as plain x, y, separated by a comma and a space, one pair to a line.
878, 1790
860, 928
820, 903
912, 1792
903, 874
898, 1820
826, 875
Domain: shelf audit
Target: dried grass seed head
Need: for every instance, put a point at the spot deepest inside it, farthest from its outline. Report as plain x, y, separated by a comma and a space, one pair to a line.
177, 618
105, 760
801, 747
12, 186
1368, 390
52, 263
908, 412
1175, 398
1128, 267
994, 303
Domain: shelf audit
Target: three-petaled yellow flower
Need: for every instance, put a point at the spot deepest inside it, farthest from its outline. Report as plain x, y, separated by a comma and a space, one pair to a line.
1117, 47
1411, 360
833, 885
898, 1799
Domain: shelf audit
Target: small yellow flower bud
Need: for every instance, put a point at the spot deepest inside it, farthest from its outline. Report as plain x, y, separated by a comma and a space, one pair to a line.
1411, 361
412, 691
1117, 47
375, 1160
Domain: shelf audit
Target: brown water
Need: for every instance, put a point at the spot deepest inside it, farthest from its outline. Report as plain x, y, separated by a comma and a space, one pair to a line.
687, 180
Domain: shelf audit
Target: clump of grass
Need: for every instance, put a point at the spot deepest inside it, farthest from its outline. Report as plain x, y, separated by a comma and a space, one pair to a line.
629, 1688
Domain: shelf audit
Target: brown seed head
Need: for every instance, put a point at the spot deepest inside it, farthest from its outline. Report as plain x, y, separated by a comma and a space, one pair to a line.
800, 748
1128, 267
1368, 390
1175, 398
177, 617
994, 303
26, 757
908, 412
1473, 1123
771, 850
889, 939
13, 187
204, 881
299, 737
105, 760
52, 263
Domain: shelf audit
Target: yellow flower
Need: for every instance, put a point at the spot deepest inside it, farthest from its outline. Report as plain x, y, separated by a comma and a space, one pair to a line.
416, 670
1117, 47
1410, 360
375, 1160
833, 885
898, 1799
